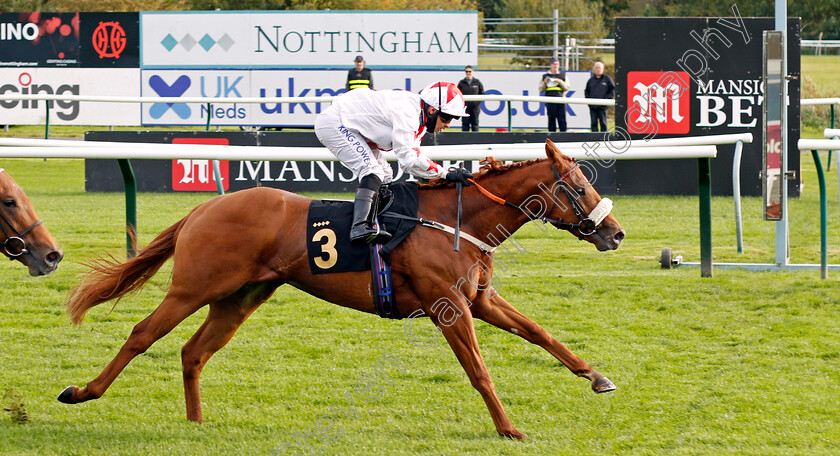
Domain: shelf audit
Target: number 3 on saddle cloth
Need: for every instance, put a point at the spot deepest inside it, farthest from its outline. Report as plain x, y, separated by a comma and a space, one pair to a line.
330, 251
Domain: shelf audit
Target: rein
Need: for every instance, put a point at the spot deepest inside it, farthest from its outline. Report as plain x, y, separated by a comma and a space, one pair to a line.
588, 222
587, 225
15, 246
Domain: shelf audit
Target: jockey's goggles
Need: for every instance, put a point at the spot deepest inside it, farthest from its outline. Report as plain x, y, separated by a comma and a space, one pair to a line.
446, 118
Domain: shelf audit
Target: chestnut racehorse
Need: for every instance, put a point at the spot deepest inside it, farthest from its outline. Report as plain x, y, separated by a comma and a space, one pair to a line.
25, 238
215, 264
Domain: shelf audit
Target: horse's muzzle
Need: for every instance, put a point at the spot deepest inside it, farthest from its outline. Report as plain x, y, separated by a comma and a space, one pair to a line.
42, 264
608, 239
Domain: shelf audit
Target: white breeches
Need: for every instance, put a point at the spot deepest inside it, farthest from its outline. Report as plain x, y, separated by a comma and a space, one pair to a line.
350, 147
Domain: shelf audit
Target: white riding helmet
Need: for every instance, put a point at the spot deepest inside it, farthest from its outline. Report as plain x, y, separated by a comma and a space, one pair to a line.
445, 97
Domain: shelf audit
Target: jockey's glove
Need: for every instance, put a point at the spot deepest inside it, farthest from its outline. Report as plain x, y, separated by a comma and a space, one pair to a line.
459, 175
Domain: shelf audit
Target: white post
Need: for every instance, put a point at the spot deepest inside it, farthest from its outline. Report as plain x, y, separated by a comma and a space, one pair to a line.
556, 28
736, 194
837, 160
782, 236
565, 66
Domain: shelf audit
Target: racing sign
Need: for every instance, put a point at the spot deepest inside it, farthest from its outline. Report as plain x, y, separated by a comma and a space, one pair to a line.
326, 83
702, 76
309, 39
39, 39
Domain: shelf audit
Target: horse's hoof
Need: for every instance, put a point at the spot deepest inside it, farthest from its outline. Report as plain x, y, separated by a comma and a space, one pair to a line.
66, 396
514, 435
603, 385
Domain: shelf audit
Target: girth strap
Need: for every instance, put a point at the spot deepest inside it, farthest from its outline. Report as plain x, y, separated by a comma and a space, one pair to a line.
383, 290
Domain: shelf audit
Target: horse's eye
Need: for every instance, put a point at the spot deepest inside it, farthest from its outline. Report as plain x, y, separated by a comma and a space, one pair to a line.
581, 191
10, 203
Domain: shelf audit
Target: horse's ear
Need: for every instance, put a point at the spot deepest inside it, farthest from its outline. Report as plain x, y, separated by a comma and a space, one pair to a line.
552, 152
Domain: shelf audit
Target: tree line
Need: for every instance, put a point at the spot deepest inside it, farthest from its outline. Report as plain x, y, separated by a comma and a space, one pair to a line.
820, 18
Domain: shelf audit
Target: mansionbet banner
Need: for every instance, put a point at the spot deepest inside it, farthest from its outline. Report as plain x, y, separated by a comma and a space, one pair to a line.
309, 39
702, 76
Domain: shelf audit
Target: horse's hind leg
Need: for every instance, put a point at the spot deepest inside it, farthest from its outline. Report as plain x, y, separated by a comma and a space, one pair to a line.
224, 318
501, 314
172, 311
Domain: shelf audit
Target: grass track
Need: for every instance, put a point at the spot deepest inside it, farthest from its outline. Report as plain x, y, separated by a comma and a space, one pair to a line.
743, 364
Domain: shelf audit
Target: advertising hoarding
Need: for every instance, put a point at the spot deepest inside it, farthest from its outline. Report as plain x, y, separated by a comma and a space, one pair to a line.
702, 76
39, 39
109, 40
69, 81
308, 39
249, 83
296, 176
87, 40
309, 83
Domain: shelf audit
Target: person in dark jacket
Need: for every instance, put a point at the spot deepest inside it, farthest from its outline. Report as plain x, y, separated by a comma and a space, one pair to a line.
471, 86
553, 84
600, 85
359, 76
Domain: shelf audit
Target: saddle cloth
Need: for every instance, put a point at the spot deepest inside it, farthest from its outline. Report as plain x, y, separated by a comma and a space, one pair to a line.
328, 232
330, 251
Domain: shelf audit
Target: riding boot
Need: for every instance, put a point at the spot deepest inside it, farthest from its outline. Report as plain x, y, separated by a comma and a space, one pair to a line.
364, 215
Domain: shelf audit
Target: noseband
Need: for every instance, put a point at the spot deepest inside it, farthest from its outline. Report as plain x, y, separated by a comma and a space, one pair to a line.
15, 246
588, 223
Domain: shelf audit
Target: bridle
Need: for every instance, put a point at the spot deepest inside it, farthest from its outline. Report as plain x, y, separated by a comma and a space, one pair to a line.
587, 224
14, 245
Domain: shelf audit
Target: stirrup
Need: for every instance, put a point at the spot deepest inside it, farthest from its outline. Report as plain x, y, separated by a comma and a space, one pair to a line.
364, 233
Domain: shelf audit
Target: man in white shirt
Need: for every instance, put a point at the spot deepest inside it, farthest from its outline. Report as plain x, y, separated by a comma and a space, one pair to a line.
359, 124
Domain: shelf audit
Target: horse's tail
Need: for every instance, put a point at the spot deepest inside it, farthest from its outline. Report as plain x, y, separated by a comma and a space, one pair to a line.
111, 279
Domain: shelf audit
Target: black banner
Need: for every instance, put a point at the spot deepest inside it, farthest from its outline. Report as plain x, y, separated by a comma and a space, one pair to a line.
87, 40
702, 76
39, 39
627, 177
110, 40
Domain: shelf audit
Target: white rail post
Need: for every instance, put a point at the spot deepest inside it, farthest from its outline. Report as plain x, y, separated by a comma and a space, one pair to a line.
782, 227
736, 194
836, 157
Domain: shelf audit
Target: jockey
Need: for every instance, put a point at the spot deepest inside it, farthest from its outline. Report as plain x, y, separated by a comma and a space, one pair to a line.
362, 123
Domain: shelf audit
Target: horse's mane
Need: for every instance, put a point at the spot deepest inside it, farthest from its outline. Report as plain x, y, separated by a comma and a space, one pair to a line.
489, 166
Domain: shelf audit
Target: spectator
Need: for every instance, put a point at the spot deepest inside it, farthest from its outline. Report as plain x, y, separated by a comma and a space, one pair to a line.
471, 86
600, 85
359, 76
553, 84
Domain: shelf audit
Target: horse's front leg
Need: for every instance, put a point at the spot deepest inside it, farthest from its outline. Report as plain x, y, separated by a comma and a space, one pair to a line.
501, 314
461, 337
